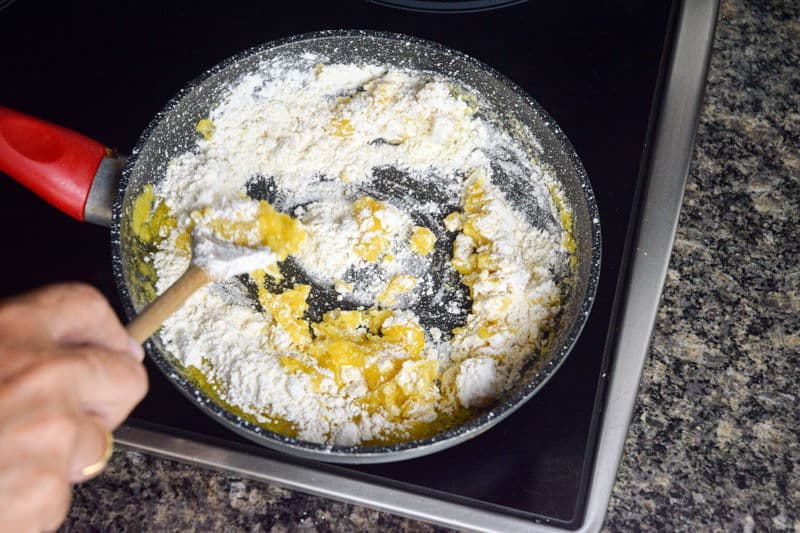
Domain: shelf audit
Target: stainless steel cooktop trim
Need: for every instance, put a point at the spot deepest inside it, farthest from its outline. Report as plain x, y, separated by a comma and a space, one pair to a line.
681, 104
662, 197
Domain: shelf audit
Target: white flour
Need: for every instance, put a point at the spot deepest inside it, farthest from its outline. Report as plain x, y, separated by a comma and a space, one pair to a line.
318, 133
333, 232
222, 260
292, 130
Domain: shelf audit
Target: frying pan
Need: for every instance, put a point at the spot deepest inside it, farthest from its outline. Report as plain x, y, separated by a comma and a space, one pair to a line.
80, 177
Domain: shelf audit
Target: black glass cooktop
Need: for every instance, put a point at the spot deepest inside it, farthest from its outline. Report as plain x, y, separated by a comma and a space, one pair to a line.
105, 68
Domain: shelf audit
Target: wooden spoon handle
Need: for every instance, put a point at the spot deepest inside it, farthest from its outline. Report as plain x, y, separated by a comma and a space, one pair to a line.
160, 309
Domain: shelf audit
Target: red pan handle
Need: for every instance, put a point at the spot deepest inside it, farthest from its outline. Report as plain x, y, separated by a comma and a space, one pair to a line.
57, 164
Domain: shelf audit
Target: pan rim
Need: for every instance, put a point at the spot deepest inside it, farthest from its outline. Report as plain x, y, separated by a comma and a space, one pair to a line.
385, 452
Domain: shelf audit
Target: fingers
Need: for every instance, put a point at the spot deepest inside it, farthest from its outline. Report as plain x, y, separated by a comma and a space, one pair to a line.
108, 384
34, 462
45, 450
63, 440
97, 381
71, 314
68, 374
38, 497
90, 448
44, 433
58, 437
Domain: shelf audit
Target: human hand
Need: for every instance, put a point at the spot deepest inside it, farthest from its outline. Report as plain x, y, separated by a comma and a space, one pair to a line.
69, 374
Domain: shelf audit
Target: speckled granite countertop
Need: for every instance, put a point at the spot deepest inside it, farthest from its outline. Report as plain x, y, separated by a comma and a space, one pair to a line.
715, 440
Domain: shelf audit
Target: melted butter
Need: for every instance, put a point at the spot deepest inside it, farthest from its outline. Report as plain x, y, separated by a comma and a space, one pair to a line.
287, 309
399, 387
374, 239
412, 389
565, 216
213, 391
141, 214
463, 267
399, 284
292, 364
479, 265
282, 233
183, 242
375, 377
279, 231
453, 221
484, 332
205, 128
150, 220
410, 337
335, 354
474, 209
340, 127
417, 429
342, 287
422, 240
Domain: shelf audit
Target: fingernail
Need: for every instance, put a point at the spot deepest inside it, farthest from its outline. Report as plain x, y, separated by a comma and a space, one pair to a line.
136, 350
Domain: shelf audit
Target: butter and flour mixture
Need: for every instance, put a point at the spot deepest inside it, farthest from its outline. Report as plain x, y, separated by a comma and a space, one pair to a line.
411, 288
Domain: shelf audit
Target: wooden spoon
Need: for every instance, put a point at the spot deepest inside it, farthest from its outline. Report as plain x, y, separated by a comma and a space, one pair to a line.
212, 260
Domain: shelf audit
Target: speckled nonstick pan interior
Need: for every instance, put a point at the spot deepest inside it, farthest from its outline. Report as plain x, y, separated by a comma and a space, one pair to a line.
172, 132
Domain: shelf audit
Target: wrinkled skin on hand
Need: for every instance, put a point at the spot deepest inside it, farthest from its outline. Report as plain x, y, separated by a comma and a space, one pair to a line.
68, 373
